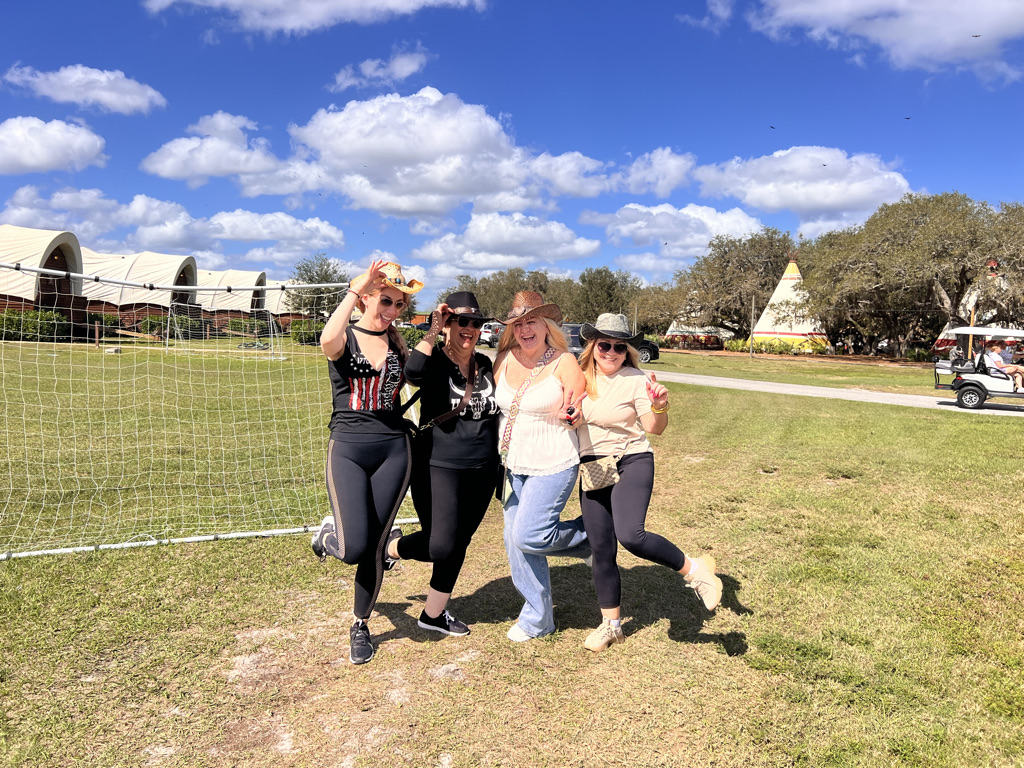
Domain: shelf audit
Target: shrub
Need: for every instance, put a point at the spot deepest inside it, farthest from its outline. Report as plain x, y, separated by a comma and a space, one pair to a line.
413, 336
108, 323
34, 325
306, 331
772, 347
155, 325
249, 325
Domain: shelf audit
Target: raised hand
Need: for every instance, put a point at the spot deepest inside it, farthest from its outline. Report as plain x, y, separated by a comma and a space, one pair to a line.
657, 393
570, 412
372, 280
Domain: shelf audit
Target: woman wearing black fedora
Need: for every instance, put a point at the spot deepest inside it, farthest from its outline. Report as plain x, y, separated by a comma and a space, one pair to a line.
623, 405
368, 458
539, 387
456, 454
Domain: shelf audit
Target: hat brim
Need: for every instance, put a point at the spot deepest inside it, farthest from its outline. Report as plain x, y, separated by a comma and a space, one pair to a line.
413, 286
589, 332
550, 311
471, 316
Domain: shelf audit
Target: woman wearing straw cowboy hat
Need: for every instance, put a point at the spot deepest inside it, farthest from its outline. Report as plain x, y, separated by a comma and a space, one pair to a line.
368, 457
622, 406
456, 454
539, 385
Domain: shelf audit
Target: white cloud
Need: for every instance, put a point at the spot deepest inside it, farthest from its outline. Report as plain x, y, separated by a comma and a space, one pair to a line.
659, 172
159, 225
819, 184
573, 174
219, 148
652, 264
28, 145
301, 16
493, 241
928, 34
378, 73
718, 15
679, 233
78, 84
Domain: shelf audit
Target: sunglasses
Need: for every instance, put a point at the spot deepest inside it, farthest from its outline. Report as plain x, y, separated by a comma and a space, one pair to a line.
477, 324
387, 302
607, 346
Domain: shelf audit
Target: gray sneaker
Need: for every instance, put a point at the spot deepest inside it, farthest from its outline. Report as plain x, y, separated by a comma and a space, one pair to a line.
360, 648
702, 580
326, 526
446, 624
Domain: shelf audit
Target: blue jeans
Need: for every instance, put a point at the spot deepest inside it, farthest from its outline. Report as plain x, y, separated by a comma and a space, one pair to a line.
533, 531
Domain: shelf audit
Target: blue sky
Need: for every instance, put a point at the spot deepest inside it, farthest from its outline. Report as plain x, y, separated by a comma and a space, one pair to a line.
464, 136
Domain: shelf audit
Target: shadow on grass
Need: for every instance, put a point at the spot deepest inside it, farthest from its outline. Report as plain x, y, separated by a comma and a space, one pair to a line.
649, 593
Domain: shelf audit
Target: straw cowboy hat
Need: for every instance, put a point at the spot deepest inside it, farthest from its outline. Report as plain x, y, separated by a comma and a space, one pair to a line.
393, 278
610, 326
464, 304
531, 304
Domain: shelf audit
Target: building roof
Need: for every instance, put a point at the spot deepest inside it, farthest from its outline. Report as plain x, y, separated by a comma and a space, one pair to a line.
242, 300
146, 268
31, 248
787, 325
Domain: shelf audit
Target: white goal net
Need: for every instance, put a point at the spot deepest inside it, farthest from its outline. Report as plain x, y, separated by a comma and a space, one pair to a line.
136, 413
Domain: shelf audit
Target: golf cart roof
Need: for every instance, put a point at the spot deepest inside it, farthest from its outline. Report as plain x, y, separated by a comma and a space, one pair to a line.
990, 331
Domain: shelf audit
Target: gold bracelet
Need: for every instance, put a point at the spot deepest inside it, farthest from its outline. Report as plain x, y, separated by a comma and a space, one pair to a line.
660, 410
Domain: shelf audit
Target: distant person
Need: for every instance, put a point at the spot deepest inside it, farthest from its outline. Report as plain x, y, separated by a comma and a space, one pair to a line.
368, 457
623, 405
994, 359
538, 381
456, 454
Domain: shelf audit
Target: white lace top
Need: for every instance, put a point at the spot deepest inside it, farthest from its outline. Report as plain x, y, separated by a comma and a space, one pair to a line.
540, 443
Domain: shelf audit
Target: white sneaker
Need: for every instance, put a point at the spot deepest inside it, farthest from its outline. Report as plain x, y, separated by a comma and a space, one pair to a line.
702, 580
326, 526
518, 635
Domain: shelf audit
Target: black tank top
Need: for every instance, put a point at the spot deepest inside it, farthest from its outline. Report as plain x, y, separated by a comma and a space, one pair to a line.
365, 399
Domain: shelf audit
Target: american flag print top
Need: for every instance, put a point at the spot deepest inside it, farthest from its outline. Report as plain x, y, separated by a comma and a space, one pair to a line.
365, 398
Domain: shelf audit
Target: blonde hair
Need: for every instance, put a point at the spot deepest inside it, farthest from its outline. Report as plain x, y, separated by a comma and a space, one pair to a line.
589, 366
555, 337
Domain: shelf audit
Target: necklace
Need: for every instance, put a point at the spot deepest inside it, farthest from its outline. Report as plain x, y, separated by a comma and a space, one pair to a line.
523, 360
367, 331
463, 366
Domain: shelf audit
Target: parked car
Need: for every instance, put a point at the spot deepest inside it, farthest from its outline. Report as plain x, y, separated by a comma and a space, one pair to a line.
647, 350
490, 334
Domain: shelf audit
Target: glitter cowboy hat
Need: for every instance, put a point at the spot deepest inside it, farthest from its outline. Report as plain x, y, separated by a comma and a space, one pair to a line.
531, 304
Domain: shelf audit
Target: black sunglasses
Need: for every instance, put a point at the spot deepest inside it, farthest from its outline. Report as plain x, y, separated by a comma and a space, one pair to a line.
387, 302
607, 346
477, 324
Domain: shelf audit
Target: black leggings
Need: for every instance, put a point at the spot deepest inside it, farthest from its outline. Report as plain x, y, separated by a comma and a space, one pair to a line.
618, 513
451, 504
366, 483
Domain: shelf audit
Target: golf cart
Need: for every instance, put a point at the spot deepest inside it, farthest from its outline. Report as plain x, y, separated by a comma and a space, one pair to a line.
972, 379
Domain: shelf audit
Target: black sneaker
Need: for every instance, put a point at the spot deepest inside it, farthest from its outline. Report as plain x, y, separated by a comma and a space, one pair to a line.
389, 561
446, 624
318, 538
360, 648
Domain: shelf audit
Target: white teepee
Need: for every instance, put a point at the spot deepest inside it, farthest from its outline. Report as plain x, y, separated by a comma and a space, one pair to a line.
784, 324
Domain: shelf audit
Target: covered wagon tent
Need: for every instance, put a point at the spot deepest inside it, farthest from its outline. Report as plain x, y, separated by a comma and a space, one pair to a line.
47, 249
247, 303
783, 319
131, 303
277, 304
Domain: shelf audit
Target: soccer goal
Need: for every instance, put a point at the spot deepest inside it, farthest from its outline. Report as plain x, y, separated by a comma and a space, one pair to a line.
137, 414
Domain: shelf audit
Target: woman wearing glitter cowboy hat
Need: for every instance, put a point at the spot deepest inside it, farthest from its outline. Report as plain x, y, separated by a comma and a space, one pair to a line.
368, 456
623, 405
539, 385
456, 453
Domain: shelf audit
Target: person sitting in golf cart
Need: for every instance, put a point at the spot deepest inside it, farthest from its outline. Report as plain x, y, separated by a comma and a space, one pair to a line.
994, 359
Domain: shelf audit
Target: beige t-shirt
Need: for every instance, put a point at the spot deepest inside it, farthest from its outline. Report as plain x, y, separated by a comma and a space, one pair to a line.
611, 423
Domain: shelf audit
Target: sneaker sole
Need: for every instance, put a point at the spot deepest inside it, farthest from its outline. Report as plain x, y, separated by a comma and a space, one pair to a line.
362, 661
442, 631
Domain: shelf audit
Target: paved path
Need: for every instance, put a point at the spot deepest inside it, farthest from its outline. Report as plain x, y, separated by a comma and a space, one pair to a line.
991, 408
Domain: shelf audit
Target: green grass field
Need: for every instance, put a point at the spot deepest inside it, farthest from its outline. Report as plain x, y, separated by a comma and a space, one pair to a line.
872, 560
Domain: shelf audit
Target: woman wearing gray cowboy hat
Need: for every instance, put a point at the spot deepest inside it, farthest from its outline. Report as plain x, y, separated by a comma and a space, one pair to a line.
456, 455
623, 405
368, 458
539, 385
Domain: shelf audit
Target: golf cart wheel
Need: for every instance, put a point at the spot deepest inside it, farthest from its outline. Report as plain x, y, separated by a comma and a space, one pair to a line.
970, 397
644, 354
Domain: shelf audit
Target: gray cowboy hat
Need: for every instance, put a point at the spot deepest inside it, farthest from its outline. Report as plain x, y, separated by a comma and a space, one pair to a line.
610, 326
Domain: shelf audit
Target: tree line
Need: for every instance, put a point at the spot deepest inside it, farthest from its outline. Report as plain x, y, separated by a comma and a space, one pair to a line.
899, 278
